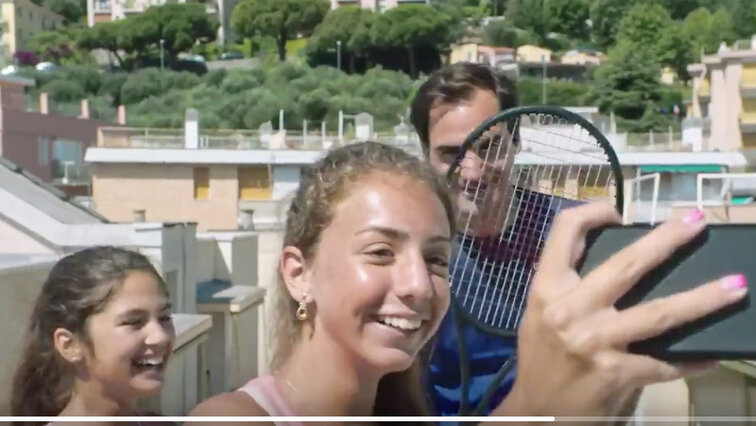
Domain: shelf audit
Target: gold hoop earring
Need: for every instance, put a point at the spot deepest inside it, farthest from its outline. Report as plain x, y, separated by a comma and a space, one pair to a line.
302, 309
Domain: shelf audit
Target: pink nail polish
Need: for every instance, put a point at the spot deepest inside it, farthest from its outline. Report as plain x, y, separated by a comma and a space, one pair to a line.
694, 216
735, 282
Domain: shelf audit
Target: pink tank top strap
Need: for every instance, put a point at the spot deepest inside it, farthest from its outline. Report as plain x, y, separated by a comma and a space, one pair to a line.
266, 393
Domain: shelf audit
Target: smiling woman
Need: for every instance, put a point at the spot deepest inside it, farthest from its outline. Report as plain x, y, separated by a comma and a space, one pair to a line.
99, 338
363, 286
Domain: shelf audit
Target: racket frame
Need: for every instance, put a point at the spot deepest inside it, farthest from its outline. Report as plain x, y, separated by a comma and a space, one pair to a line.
457, 310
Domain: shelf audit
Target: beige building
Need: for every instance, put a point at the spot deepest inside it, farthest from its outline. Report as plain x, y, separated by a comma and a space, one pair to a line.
724, 97
22, 19
531, 53
140, 178
583, 57
495, 57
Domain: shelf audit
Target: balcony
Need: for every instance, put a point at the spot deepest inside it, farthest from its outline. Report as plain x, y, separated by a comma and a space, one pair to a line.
71, 173
655, 142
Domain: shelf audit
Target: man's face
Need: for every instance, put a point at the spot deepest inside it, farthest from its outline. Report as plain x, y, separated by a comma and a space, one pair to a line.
450, 124
483, 181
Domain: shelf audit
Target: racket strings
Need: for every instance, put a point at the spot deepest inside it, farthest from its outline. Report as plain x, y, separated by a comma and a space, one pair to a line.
507, 142
492, 278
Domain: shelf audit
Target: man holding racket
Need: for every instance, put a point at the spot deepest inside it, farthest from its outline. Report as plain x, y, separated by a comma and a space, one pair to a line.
447, 108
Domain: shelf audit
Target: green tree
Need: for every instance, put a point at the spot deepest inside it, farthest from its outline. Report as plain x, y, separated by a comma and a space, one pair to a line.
569, 17
706, 30
530, 15
59, 47
628, 83
643, 24
605, 19
351, 26
560, 92
182, 25
280, 19
179, 25
679, 9
499, 33
650, 26
495, 7
106, 36
69, 9
744, 18
411, 27
721, 29
675, 50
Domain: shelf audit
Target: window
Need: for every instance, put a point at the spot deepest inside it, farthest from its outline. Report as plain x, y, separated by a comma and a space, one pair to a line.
43, 150
65, 150
254, 183
140, 215
201, 183
66, 158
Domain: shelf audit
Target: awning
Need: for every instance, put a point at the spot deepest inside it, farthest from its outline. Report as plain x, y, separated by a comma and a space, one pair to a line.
739, 201
682, 168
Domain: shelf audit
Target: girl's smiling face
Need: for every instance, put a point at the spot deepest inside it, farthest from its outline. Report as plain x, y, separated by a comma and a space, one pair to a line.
378, 277
130, 341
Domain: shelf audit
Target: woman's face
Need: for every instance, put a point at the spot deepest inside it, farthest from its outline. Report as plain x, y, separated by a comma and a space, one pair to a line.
132, 339
378, 278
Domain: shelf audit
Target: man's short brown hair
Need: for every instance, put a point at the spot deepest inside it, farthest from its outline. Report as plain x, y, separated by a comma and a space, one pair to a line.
452, 85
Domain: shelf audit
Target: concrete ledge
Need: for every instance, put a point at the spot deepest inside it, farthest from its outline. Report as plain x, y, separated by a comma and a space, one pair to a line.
189, 327
220, 296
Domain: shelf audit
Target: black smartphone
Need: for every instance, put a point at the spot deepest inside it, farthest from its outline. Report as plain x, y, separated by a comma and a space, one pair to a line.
719, 250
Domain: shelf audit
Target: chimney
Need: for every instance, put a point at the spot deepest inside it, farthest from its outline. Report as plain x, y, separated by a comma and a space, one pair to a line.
84, 108
43, 104
191, 129
121, 115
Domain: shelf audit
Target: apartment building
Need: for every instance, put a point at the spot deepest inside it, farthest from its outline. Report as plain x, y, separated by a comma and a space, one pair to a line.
21, 20
50, 146
152, 177
496, 57
724, 97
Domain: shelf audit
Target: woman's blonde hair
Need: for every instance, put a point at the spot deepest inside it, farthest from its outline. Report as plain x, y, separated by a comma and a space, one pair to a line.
321, 189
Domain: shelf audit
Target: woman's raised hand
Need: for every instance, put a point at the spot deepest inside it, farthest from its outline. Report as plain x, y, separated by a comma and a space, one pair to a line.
572, 347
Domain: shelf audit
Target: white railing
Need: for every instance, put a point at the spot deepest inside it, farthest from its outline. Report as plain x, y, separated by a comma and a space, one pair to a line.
316, 139
628, 189
728, 177
655, 141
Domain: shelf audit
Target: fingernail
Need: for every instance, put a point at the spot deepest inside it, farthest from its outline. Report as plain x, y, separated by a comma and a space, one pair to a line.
694, 217
735, 283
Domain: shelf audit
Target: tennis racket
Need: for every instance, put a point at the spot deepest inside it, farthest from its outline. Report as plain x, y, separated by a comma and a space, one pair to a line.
513, 174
